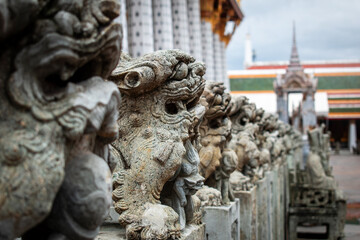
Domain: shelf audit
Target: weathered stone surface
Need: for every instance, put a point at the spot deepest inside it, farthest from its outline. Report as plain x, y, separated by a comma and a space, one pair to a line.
271, 204
112, 232
193, 232
318, 160
217, 159
262, 209
281, 201
229, 225
117, 232
156, 157
314, 197
112, 217
248, 213
57, 116
209, 196
253, 141
263, 144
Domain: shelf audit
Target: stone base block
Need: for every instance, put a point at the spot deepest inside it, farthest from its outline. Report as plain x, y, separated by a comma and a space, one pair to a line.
247, 213
327, 222
282, 201
113, 216
262, 209
193, 232
222, 222
112, 232
117, 232
272, 201
111, 229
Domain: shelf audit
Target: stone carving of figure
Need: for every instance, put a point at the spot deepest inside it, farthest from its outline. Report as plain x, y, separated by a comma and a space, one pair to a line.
217, 161
157, 160
320, 176
317, 163
245, 119
57, 116
228, 166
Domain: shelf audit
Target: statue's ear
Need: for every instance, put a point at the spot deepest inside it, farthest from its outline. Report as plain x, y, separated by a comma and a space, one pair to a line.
126, 79
135, 76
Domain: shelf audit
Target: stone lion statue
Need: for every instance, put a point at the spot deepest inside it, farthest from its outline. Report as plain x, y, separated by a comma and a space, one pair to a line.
57, 115
156, 155
217, 159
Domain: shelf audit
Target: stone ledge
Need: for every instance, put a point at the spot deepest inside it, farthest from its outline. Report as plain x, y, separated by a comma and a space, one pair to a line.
222, 222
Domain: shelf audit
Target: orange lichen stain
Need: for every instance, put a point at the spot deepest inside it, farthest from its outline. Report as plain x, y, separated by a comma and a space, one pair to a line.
22, 123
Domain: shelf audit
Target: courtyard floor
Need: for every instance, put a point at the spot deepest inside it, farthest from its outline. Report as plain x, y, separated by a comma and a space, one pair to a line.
346, 169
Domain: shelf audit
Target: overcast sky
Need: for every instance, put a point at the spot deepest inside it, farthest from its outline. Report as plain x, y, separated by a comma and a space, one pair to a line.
325, 29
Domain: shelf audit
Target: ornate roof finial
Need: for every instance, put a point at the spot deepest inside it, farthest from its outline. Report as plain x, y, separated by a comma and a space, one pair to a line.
294, 59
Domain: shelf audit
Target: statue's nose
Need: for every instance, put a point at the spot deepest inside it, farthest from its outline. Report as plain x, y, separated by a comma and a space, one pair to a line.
110, 8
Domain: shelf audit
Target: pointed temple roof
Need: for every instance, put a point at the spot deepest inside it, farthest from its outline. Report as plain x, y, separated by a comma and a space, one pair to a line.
294, 64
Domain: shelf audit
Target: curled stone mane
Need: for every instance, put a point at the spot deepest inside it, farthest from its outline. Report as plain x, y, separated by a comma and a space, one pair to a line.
157, 160
58, 115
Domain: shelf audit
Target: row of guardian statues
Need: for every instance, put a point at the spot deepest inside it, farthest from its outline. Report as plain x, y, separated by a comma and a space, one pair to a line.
84, 127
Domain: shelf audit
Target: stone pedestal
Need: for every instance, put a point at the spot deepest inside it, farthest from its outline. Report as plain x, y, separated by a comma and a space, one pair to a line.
247, 213
326, 218
287, 180
116, 232
112, 230
193, 232
112, 217
222, 222
281, 201
272, 209
262, 209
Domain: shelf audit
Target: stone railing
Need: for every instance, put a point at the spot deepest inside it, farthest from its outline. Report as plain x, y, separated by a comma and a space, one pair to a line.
78, 118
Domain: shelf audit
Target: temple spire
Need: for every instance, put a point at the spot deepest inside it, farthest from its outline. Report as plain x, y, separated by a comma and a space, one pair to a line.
248, 58
294, 58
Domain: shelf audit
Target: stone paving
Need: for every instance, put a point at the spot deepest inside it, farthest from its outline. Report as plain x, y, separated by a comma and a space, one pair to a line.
346, 169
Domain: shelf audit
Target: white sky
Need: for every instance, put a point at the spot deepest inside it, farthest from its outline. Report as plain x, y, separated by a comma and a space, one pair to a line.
326, 30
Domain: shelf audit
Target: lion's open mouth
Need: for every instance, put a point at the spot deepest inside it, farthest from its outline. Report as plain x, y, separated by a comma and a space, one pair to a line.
80, 60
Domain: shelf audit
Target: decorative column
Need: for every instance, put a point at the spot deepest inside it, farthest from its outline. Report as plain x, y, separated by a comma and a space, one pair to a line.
207, 49
140, 27
122, 20
281, 105
194, 29
163, 29
180, 25
352, 134
248, 56
225, 77
308, 111
217, 58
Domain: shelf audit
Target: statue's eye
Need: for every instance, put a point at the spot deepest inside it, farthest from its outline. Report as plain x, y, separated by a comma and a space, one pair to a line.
181, 71
214, 124
171, 108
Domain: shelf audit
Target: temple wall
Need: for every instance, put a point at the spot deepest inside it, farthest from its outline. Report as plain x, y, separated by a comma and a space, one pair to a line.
153, 25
